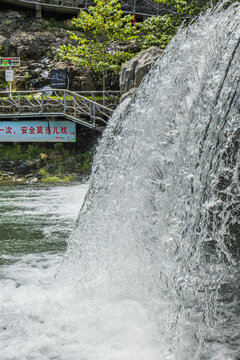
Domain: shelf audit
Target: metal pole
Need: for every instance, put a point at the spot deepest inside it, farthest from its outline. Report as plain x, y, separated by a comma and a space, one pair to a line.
19, 107
75, 105
10, 85
94, 113
64, 102
38, 11
41, 110
10, 89
103, 97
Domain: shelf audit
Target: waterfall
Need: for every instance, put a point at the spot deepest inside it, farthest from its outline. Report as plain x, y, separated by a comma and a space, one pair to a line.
154, 255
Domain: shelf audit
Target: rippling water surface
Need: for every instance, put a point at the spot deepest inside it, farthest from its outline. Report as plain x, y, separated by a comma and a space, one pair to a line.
37, 220
35, 224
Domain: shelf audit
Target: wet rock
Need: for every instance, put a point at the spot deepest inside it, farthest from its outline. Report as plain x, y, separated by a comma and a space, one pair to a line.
6, 165
26, 167
50, 167
128, 94
22, 169
29, 176
133, 71
33, 180
20, 180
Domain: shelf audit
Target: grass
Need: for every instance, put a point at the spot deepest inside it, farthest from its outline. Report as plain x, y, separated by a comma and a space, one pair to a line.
95, 98
54, 179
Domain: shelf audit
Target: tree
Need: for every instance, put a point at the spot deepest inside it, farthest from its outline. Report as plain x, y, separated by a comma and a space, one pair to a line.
156, 31
187, 9
102, 30
160, 30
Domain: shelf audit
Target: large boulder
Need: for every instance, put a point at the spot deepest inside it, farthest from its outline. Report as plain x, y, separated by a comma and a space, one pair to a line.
133, 71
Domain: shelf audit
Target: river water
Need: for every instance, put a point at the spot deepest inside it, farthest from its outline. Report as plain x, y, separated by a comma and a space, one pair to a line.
37, 220
35, 224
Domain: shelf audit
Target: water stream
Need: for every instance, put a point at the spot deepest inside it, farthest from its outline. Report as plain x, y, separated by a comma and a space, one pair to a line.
151, 269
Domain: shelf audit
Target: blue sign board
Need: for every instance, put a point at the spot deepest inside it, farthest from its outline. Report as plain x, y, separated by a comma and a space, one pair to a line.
37, 131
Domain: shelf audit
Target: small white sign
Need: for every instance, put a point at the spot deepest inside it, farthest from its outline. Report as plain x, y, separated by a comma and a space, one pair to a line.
9, 75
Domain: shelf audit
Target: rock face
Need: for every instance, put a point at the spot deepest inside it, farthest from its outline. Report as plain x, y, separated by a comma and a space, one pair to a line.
36, 42
133, 71
19, 167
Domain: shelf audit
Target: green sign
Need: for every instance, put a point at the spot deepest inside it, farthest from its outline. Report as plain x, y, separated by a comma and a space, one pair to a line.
9, 61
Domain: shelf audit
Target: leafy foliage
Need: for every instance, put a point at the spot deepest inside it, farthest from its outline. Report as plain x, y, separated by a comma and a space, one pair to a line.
99, 31
159, 30
187, 9
156, 31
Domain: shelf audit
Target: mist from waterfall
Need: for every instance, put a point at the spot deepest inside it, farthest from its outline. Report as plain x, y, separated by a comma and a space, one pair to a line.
153, 255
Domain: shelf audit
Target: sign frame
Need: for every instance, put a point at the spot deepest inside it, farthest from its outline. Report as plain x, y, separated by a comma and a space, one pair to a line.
59, 79
9, 75
9, 61
38, 131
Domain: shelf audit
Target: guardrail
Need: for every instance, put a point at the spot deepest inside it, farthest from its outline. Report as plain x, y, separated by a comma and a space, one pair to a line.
137, 7
54, 103
108, 98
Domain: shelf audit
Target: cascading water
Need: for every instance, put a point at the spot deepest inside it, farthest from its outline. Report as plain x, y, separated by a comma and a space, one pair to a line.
155, 238
151, 268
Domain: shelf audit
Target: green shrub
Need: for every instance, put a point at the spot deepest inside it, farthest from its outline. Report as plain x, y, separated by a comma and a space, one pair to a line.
11, 152
85, 160
32, 152
44, 26
8, 22
17, 148
54, 23
60, 169
43, 172
50, 179
59, 148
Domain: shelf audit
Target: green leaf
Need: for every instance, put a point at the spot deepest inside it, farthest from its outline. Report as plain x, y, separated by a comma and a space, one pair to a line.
99, 31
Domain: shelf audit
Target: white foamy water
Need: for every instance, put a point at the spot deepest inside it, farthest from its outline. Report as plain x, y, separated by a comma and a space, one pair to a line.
26, 279
151, 270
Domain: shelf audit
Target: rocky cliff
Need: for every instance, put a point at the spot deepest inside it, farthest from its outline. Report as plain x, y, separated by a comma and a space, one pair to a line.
133, 71
36, 42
